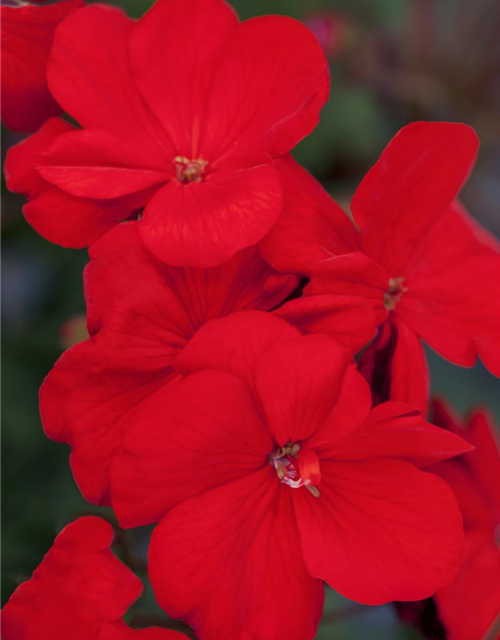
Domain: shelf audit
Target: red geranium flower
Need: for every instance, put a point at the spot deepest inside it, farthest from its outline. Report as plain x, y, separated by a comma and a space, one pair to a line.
269, 472
182, 114
469, 606
79, 591
141, 314
427, 268
27, 33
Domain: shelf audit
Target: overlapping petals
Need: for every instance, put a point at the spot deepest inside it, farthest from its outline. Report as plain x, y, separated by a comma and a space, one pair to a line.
141, 314
80, 590
474, 478
210, 470
27, 33
184, 105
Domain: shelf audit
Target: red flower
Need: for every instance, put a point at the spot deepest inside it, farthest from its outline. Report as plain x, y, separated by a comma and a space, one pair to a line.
27, 33
182, 114
79, 591
470, 605
141, 314
426, 267
269, 472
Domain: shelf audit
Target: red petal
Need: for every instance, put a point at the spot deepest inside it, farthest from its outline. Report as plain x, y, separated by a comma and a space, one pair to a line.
298, 383
349, 321
27, 33
415, 180
190, 297
312, 227
396, 367
453, 298
175, 49
200, 433
94, 164
351, 409
47, 208
202, 224
236, 544
88, 397
78, 587
396, 430
235, 344
270, 83
474, 477
470, 605
353, 274
90, 77
397, 538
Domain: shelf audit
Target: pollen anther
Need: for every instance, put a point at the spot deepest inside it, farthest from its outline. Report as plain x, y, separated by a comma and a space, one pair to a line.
394, 293
291, 470
187, 170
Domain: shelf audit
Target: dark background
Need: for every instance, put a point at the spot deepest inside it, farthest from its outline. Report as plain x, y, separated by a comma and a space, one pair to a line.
392, 61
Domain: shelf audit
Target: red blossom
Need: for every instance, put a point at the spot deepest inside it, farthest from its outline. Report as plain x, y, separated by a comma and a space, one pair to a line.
182, 115
79, 591
470, 605
420, 261
27, 33
260, 467
140, 314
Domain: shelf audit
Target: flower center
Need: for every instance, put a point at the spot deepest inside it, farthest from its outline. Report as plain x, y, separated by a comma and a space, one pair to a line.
394, 293
297, 467
187, 170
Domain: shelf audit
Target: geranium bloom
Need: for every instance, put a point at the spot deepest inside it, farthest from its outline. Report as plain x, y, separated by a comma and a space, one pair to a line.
27, 32
141, 314
470, 605
79, 591
427, 268
269, 472
182, 115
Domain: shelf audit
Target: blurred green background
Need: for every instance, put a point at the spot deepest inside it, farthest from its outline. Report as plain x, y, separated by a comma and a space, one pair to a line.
392, 61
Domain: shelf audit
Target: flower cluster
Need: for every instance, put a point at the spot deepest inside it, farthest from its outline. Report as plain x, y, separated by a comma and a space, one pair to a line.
254, 382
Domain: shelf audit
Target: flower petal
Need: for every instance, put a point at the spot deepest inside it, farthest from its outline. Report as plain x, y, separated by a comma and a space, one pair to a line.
235, 344
353, 274
237, 543
475, 476
202, 224
27, 33
88, 398
47, 208
476, 592
349, 321
298, 383
312, 227
175, 48
90, 77
415, 180
268, 89
79, 586
381, 530
397, 430
453, 298
200, 433
124, 275
94, 164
